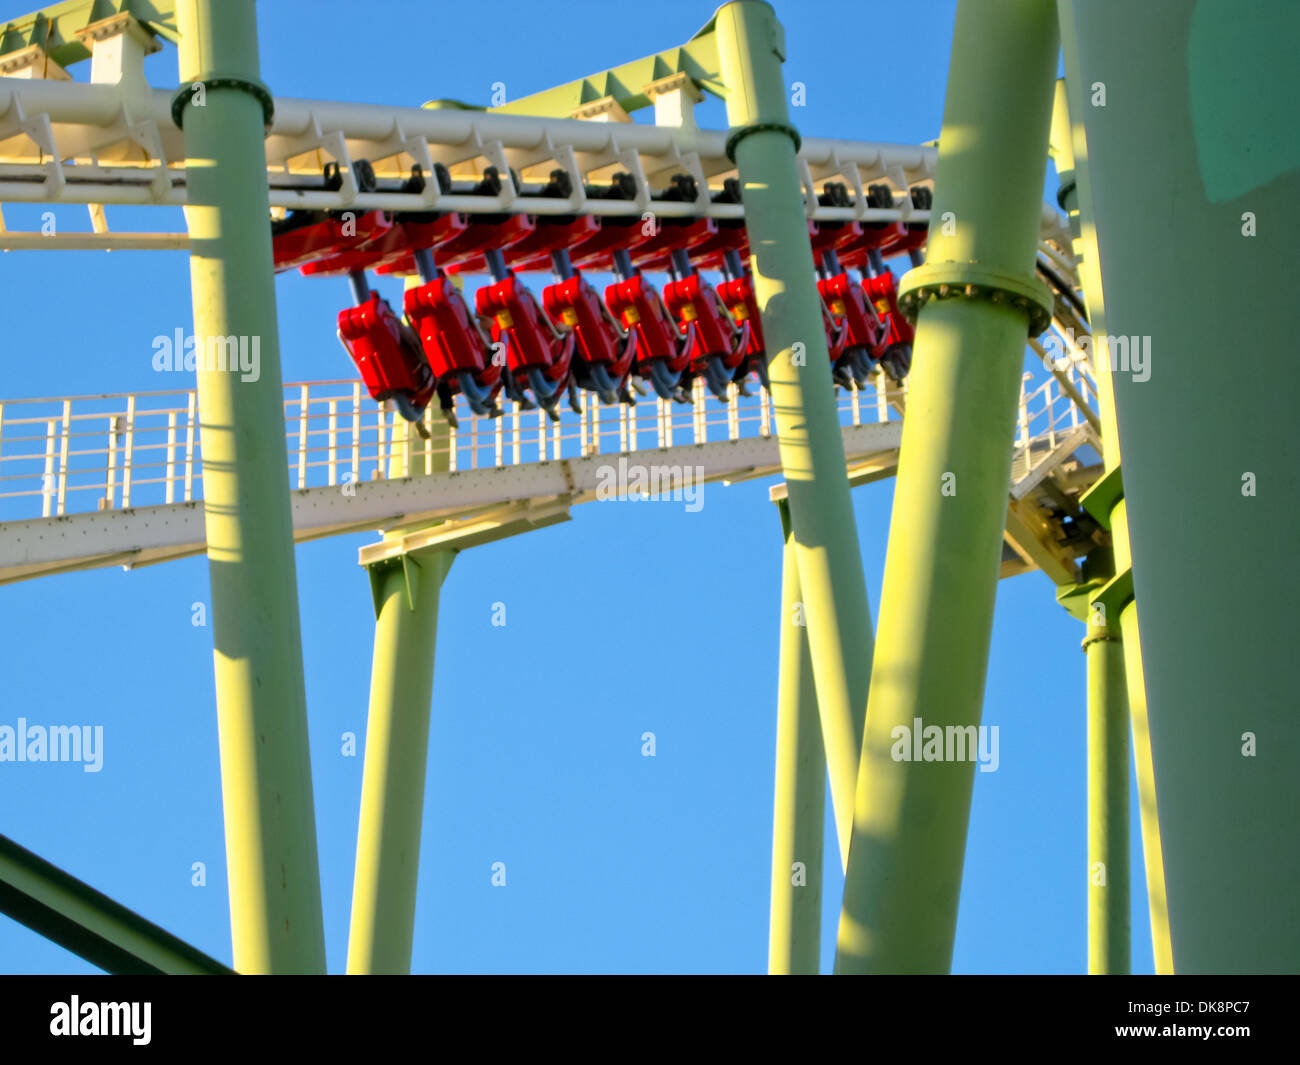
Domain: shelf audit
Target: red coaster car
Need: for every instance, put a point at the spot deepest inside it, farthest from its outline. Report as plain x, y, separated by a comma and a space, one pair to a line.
461, 357
388, 356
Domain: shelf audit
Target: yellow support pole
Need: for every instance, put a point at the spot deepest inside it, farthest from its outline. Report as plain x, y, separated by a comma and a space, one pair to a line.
798, 822
976, 300
275, 904
1070, 147
763, 143
1108, 780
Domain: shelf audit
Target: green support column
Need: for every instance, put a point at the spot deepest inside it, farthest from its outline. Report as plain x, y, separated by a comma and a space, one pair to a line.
978, 299
763, 144
1070, 143
397, 752
275, 906
1194, 104
1112, 665
1108, 779
407, 593
798, 822
1153, 859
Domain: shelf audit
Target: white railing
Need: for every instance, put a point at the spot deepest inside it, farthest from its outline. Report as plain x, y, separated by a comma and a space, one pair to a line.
83, 453
1047, 414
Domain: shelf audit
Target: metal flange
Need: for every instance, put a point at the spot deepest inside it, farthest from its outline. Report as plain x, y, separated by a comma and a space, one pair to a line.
741, 132
254, 88
970, 280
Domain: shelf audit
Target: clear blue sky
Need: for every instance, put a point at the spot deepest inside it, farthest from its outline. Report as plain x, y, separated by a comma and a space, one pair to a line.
615, 862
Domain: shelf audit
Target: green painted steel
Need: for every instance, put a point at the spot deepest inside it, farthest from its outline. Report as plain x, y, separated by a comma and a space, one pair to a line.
55, 27
407, 591
626, 84
397, 752
1105, 500
1212, 529
1108, 814
87, 922
799, 818
950, 498
275, 906
750, 52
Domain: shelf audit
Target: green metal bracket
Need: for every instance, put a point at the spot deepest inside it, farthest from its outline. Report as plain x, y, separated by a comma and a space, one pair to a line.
452, 105
1075, 598
1100, 499
55, 28
1101, 585
697, 58
87, 922
378, 574
1116, 593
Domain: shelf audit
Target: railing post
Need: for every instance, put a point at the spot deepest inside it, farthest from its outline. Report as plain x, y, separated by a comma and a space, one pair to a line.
63, 455
110, 480
1022, 417
356, 432
170, 468
189, 445
333, 441
128, 452
302, 436
698, 411
47, 480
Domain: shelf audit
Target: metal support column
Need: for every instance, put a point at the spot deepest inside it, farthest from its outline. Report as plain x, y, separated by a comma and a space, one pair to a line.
976, 299
407, 592
1105, 500
275, 906
798, 822
397, 753
751, 49
1108, 783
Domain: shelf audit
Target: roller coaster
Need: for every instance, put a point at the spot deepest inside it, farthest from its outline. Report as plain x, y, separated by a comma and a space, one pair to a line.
754, 326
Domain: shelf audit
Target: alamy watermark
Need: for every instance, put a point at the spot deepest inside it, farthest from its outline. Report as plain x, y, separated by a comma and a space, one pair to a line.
77, 1018
53, 743
946, 743
236, 354
1131, 354
653, 483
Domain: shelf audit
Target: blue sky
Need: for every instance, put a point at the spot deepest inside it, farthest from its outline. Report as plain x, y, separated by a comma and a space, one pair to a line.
615, 862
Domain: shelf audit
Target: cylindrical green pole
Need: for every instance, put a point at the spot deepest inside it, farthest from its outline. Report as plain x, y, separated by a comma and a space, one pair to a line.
1069, 137
1108, 778
762, 143
977, 298
397, 731
397, 752
275, 906
798, 822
